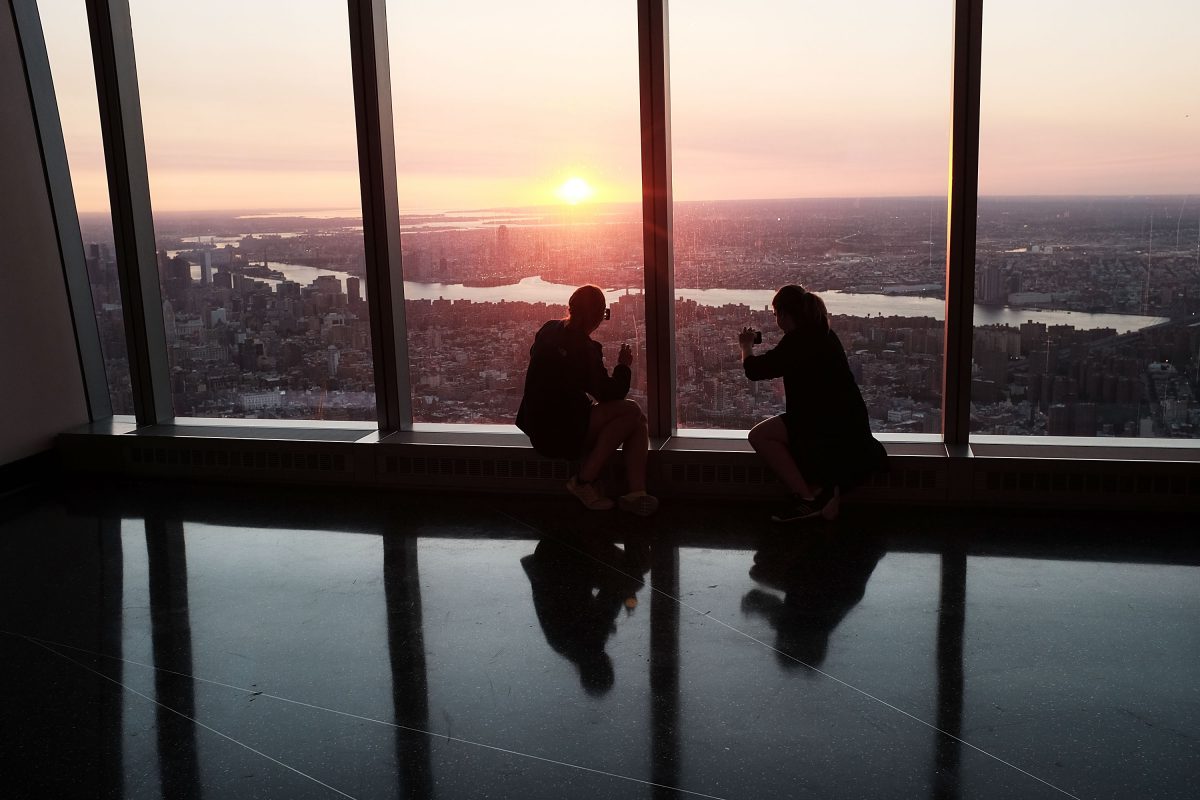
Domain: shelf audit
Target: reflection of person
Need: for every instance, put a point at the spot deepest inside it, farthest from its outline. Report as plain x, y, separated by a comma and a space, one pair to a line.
822, 443
577, 596
572, 407
822, 578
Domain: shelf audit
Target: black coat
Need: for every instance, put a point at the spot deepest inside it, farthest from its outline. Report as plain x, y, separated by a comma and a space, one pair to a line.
828, 427
566, 373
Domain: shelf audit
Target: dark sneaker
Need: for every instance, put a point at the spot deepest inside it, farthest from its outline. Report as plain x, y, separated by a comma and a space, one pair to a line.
798, 508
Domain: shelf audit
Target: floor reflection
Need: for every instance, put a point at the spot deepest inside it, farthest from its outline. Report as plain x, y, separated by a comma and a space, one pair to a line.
406, 653
664, 669
579, 587
822, 574
951, 621
78, 598
171, 634
112, 697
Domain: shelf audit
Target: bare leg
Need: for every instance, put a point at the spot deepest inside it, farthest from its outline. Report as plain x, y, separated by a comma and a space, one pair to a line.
610, 425
636, 447
770, 440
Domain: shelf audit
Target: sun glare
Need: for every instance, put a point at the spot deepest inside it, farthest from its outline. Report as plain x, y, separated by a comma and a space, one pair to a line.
575, 191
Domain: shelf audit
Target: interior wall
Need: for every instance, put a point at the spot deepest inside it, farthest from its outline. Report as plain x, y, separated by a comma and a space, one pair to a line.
41, 388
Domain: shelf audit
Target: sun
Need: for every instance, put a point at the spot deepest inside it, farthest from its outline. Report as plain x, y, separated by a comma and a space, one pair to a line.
575, 191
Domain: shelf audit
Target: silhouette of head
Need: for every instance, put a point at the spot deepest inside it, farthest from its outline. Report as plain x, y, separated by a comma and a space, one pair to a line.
800, 310
586, 307
596, 673
578, 592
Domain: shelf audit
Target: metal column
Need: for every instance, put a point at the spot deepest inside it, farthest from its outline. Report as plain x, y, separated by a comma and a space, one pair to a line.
381, 212
133, 221
62, 205
960, 236
654, 71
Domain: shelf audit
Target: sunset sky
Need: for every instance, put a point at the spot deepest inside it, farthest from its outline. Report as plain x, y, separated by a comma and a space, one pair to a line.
249, 105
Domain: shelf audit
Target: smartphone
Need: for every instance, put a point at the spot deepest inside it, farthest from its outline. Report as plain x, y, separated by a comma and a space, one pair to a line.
758, 337
608, 313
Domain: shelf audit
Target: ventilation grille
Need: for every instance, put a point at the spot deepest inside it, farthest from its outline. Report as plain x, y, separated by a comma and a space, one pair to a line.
227, 457
910, 479
920, 481
518, 469
1096, 483
721, 475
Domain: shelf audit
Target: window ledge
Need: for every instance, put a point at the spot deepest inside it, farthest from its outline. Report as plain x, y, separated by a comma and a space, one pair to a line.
1086, 448
1059, 448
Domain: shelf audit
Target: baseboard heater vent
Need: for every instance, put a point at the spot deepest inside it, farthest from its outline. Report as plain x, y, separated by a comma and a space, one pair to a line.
436, 468
1101, 483
910, 478
907, 479
229, 458
721, 475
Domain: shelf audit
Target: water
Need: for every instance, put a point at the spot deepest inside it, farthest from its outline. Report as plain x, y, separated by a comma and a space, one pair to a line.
536, 290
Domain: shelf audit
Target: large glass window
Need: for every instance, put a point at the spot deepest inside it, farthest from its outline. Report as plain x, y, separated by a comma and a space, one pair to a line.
68, 45
1088, 250
251, 146
809, 146
517, 140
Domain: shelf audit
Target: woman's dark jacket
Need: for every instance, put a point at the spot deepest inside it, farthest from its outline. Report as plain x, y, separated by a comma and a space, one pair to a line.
566, 372
828, 427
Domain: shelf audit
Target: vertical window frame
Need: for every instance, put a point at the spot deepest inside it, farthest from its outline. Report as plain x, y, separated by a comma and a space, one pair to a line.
371, 70
133, 219
43, 102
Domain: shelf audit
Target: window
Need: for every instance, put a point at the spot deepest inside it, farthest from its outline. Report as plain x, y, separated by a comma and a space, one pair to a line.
1088, 242
810, 146
252, 156
68, 45
517, 141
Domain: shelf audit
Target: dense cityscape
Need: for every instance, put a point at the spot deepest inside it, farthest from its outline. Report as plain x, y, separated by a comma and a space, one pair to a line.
1085, 319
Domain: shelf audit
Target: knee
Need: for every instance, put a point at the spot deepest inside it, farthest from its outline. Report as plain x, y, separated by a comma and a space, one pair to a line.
632, 412
757, 436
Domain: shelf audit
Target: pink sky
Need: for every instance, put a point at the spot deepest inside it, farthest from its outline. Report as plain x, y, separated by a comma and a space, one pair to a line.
498, 104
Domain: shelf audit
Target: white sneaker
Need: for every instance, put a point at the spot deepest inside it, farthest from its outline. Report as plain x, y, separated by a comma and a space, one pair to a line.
641, 504
589, 495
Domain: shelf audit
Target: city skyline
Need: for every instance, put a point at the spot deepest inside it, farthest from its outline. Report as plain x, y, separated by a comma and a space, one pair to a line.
1073, 335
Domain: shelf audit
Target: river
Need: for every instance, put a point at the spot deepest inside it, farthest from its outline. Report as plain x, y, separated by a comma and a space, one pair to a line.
534, 290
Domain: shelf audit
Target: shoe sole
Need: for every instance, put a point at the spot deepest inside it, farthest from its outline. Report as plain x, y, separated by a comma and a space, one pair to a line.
813, 515
828, 512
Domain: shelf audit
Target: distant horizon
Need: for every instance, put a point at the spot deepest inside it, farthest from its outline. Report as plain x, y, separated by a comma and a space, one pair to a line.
265, 212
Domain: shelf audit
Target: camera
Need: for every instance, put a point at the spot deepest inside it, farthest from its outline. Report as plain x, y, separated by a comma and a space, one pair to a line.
608, 313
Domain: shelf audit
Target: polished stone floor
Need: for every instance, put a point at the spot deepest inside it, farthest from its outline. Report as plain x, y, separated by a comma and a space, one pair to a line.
257, 642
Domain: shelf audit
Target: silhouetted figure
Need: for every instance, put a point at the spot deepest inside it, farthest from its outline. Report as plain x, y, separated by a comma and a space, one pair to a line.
577, 596
572, 408
822, 578
822, 443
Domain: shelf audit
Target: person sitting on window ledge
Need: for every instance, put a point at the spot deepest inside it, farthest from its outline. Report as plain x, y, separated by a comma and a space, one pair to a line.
572, 408
822, 443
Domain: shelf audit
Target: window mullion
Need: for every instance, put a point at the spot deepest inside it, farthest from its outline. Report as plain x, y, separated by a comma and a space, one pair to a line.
654, 80
62, 201
133, 220
960, 237
381, 214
